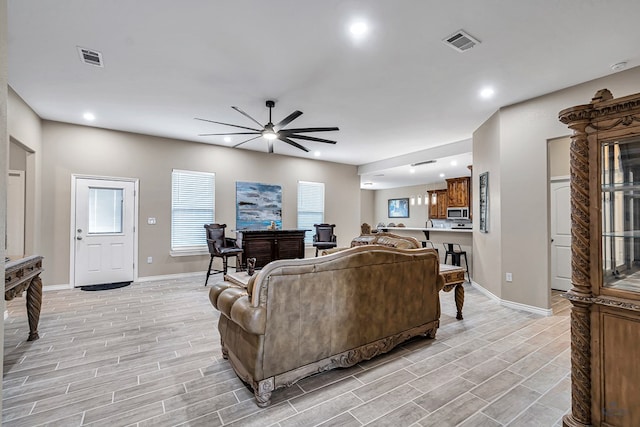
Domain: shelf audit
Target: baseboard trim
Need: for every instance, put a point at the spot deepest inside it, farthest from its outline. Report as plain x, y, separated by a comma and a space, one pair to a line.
485, 292
172, 276
62, 287
529, 308
511, 304
68, 286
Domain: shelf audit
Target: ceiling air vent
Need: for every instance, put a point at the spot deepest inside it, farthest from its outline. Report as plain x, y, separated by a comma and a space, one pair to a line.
426, 162
461, 41
91, 57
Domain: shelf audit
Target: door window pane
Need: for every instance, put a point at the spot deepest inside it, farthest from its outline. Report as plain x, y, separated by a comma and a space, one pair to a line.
105, 210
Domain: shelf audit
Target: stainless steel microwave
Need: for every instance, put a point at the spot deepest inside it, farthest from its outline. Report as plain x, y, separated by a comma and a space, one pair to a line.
458, 213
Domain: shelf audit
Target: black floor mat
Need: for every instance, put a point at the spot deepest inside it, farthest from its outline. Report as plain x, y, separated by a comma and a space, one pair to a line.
105, 286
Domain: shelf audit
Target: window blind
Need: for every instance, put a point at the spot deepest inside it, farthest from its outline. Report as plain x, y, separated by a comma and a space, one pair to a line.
192, 206
310, 207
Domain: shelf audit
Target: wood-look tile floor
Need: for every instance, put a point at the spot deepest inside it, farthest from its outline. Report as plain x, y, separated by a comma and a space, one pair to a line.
149, 355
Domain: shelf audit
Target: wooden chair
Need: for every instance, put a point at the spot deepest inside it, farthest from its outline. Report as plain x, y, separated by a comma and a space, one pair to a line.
324, 237
222, 247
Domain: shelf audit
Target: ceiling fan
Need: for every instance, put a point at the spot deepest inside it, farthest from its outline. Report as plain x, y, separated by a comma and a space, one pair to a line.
271, 131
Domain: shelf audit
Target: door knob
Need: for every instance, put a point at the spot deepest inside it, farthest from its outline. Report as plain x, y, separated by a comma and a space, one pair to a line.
79, 238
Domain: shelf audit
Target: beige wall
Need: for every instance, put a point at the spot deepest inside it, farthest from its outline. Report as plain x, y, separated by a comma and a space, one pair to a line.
525, 129
487, 259
418, 214
4, 149
367, 207
25, 130
72, 149
17, 157
559, 157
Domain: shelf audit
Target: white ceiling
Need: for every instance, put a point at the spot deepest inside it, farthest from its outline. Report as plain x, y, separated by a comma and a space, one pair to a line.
397, 91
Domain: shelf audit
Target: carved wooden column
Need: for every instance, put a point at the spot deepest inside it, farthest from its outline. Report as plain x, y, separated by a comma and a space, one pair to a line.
580, 295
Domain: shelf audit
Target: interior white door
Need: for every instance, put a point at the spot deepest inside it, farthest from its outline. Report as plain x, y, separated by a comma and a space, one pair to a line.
104, 231
15, 213
560, 235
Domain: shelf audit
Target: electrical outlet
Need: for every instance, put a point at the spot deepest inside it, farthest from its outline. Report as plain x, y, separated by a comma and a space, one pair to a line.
149, 260
509, 277
151, 221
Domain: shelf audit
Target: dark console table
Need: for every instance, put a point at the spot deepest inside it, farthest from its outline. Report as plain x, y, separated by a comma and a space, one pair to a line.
24, 274
269, 245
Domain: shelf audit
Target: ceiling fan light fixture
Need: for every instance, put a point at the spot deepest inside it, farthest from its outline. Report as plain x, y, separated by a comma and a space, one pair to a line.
269, 135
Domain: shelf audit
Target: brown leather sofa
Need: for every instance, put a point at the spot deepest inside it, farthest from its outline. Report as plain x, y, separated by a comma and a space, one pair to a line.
300, 317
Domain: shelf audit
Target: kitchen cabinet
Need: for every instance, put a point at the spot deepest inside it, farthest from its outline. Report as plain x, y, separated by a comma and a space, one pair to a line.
438, 203
605, 252
458, 190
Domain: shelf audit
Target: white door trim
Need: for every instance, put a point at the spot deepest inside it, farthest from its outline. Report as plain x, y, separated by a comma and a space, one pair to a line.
553, 210
72, 231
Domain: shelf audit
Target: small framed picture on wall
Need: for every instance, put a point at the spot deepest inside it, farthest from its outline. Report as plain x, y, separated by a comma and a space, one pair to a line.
398, 208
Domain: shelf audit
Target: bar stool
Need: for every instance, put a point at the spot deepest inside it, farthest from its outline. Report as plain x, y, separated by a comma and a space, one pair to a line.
429, 244
456, 253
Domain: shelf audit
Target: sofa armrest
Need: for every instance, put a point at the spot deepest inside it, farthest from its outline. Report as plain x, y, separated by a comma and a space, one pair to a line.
233, 302
440, 282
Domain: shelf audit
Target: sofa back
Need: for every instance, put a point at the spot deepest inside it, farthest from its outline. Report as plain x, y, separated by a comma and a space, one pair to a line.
386, 239
319, 307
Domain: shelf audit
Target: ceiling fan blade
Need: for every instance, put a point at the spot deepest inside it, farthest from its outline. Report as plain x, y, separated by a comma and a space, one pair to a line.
229, 124
247, 116
290, 142
233, 133
291, 117
290, 131
247, 140
270, 142
312, 138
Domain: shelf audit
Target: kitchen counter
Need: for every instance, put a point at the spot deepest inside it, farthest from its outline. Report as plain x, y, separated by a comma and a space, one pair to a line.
439, 236
426, 231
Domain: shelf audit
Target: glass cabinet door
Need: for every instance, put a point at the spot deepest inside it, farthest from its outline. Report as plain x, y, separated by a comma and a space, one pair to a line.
620, 164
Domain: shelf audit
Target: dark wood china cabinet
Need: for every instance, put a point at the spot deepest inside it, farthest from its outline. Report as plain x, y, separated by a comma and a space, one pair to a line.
605, 246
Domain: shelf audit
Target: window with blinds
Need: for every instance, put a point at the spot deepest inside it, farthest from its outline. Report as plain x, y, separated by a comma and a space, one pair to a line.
192, 206
310, 207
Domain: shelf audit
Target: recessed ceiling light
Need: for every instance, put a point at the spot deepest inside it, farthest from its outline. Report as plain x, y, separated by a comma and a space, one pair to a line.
454, 163
487, 93
412, 170
227, 139
441, 175
89, 116
358, 28
316, 153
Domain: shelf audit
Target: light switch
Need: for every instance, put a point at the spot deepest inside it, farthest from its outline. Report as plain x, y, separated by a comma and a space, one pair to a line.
151, 221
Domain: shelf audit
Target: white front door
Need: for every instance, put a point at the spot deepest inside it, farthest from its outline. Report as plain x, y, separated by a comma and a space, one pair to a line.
104, 231
560, 235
